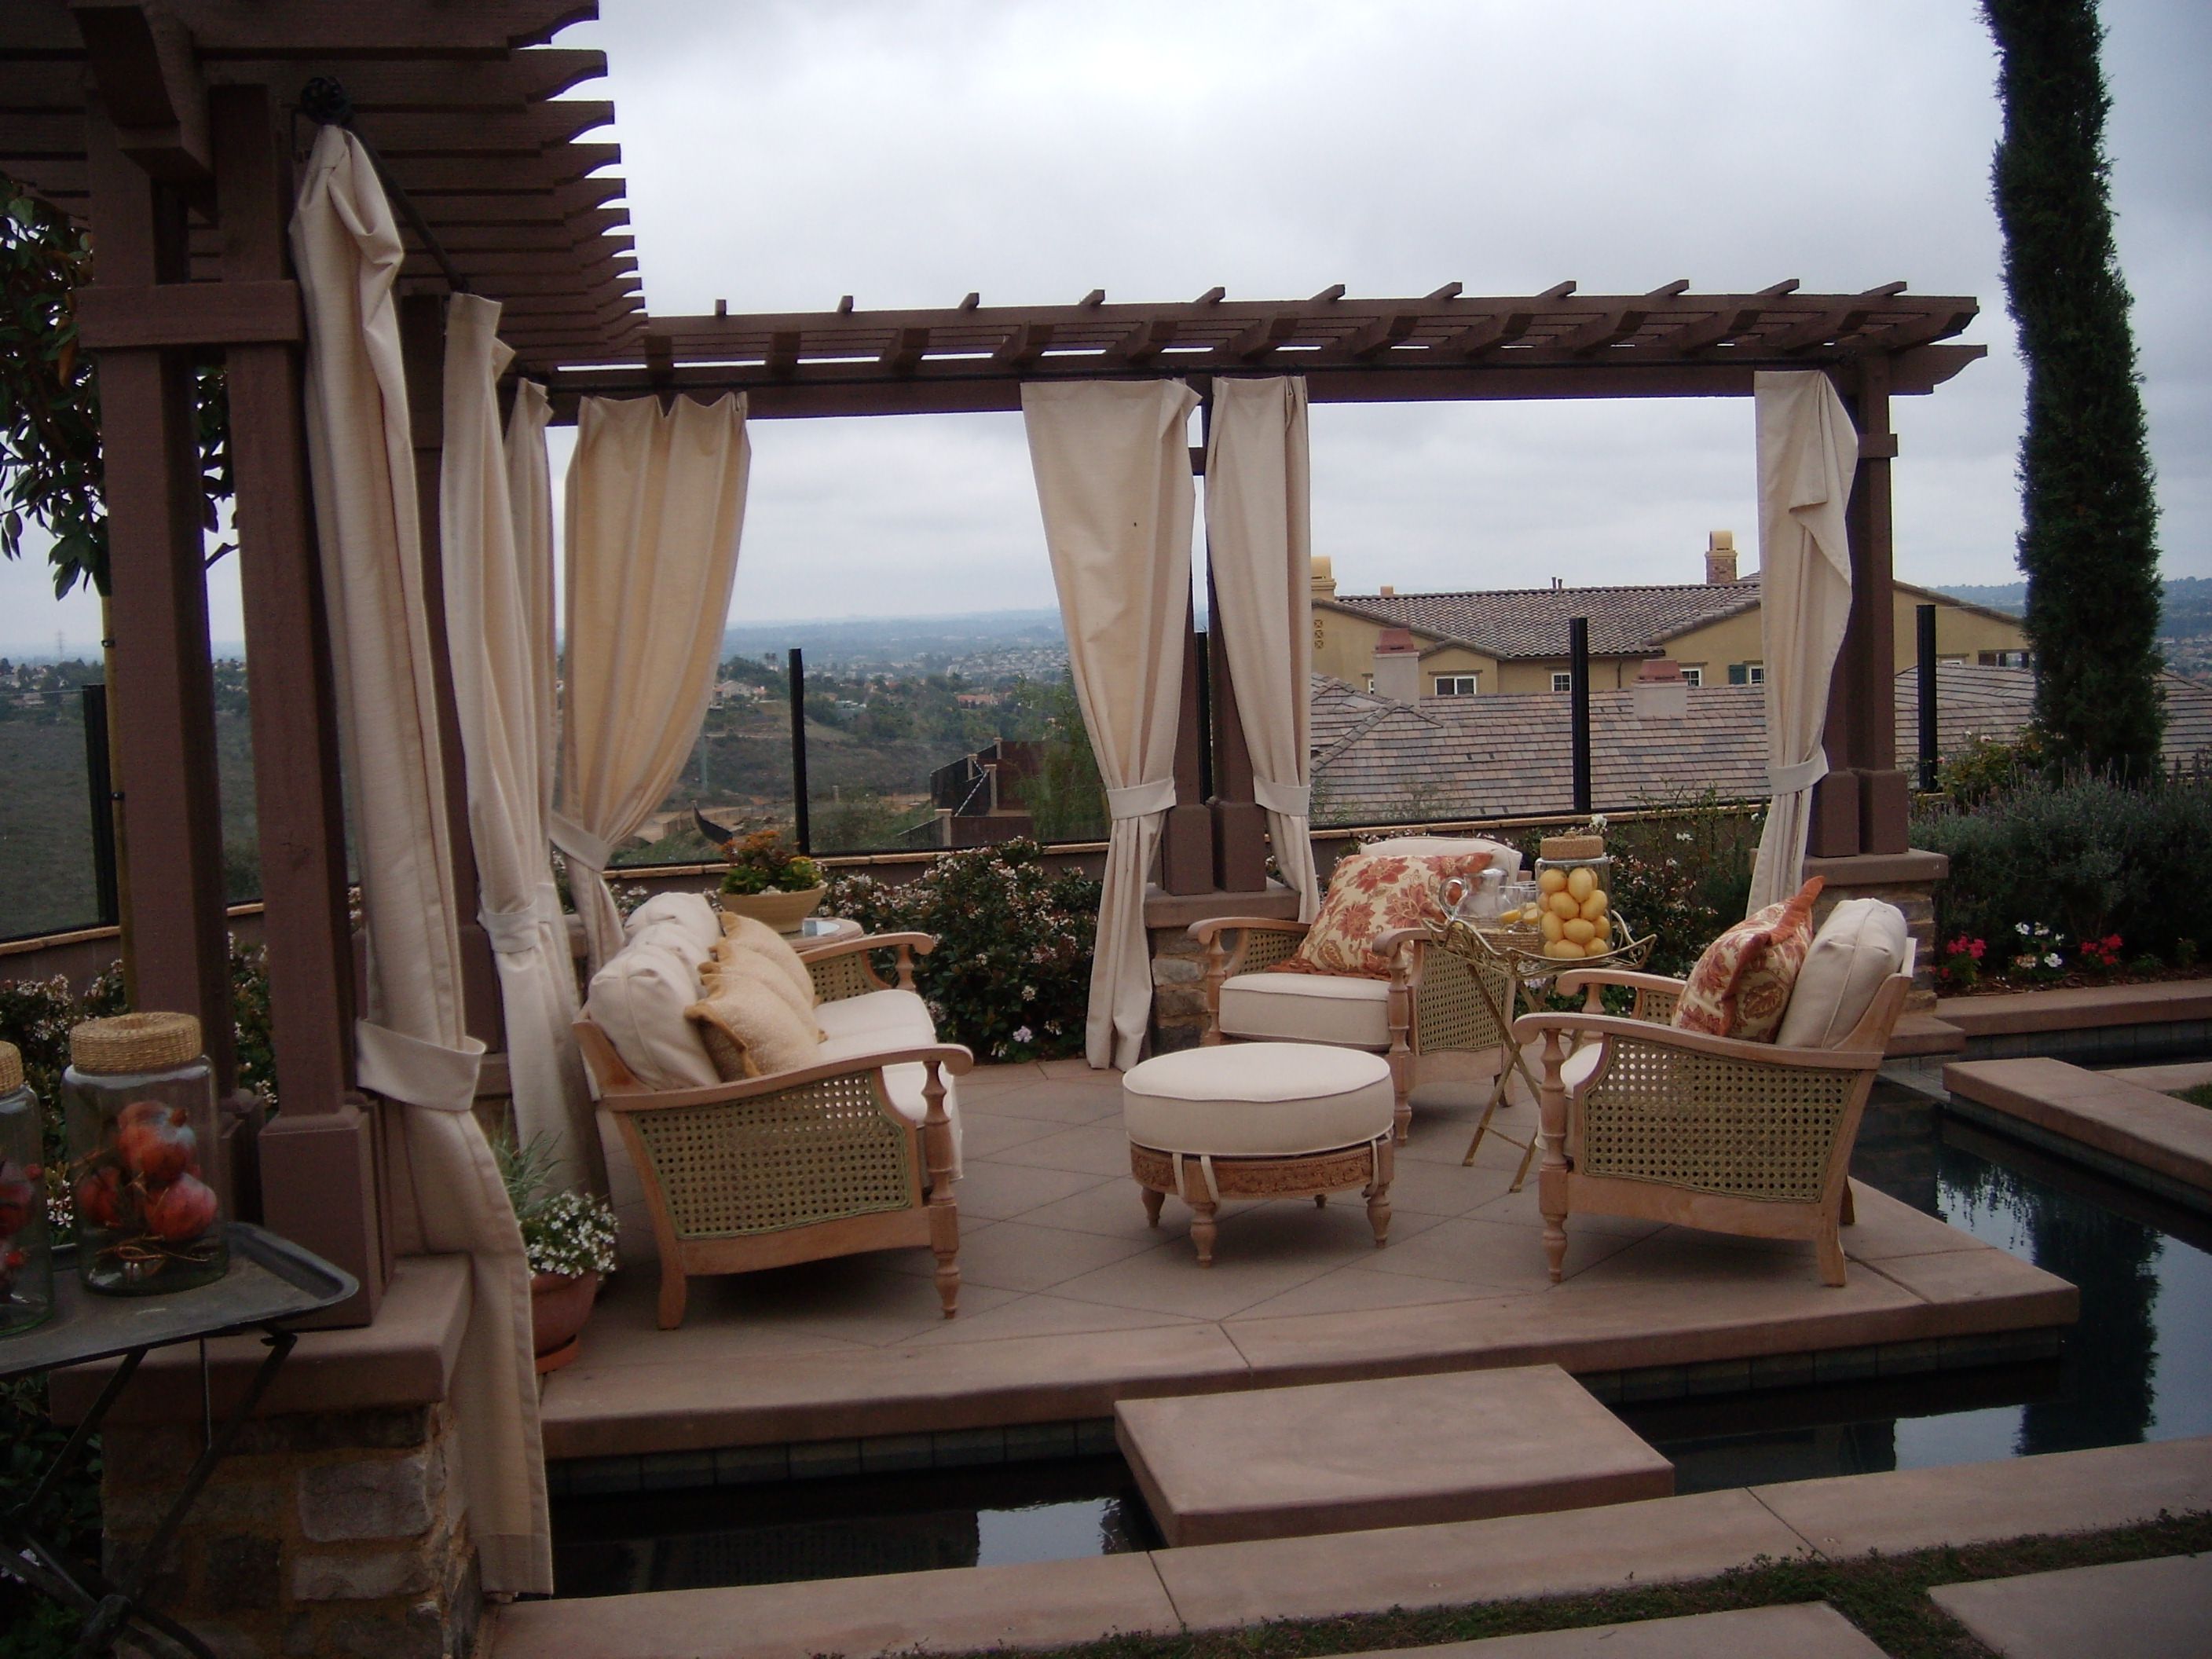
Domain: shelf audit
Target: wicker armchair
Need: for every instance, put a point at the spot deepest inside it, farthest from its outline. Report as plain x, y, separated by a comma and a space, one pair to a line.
1431, 1005
800, 1165
1642, 1120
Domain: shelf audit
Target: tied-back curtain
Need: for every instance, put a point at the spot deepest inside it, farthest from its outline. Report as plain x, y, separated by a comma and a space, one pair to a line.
1260, 548
412, 1048
656, 504
500, 668
1112, 461
1808, 453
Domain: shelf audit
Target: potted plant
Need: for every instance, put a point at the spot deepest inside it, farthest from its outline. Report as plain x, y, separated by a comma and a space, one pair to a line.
769, 881
569, 1239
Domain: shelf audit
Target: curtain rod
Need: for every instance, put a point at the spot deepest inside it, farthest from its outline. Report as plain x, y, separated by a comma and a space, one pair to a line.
323, 102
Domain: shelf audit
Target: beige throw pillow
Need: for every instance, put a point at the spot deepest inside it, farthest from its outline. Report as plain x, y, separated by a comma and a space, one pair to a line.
734, 969
752, 933
748, 1029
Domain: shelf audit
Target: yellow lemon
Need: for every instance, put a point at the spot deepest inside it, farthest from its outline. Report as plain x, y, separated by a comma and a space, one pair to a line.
1563, 949
1552, 925
1582, 884
1550, 881
1601, 929
1531, 915
1579, 931
1594, 906
1564, 906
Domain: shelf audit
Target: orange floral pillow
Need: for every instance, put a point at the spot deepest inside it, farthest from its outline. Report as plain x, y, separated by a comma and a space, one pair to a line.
1369, 894
1742, 983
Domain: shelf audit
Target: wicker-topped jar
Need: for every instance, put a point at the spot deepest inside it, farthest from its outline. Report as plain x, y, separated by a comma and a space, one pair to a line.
27, 1267
1574, 902
143, 1145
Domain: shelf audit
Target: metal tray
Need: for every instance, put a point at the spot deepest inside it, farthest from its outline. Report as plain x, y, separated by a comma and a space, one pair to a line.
271, 1280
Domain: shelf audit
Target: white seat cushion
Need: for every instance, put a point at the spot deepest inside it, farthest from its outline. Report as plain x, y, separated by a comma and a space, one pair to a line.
638, 998
1353, 1013
1258, 1100
690, 911
879, 1020
1859, 945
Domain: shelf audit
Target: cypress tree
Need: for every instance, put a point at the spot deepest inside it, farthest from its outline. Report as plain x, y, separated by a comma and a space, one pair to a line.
2089, 538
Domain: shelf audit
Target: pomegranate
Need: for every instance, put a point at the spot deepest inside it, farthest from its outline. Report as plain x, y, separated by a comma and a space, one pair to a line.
100, 1197
156, 1141
181, 1211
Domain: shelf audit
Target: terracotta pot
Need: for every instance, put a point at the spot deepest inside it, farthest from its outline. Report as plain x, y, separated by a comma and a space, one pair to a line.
784, 912
559, 1305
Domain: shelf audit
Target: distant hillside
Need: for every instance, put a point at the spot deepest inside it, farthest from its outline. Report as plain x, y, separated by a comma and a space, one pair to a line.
2186, 614
893, 638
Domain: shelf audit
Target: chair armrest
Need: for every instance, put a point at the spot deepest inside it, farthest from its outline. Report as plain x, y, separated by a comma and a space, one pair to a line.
950, 1056
907, 945
1204, 932
1586, 1027
1574, 979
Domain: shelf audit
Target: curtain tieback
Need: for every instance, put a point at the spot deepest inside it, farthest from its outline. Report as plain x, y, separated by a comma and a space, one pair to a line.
1292, 801
513, 932
1141, 801
420, 1073
578, 842
1789, 780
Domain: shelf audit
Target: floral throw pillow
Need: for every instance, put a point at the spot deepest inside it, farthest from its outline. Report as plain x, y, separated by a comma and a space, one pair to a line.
1369, 894
1741, 985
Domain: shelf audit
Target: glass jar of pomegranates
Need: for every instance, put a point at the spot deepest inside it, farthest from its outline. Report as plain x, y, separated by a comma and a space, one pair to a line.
143, 1156
27, 1270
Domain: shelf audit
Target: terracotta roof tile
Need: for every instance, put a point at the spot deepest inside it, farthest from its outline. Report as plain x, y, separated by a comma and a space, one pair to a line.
1532, 622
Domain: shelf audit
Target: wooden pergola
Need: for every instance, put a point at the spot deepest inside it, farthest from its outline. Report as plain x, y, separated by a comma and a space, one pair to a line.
171, 127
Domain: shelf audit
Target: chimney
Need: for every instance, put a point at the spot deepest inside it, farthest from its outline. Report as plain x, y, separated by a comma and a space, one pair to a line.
1659, 692
1398, 667
1323, 577
1720, 557
1389, 592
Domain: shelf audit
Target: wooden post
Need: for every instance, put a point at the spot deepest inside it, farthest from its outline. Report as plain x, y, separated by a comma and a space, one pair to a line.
1186, 839
318, 1156
423, 348
164, 687
1240, 826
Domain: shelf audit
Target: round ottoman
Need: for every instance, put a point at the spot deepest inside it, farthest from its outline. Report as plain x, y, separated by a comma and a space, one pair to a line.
1259, 1119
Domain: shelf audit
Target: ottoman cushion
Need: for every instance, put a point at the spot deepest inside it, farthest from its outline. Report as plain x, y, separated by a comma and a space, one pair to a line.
1308, 1008
1258, 1100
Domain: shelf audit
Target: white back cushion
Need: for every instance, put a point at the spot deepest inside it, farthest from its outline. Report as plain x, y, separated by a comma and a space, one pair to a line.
1502, 857
689, 911
638, 999
1859, 945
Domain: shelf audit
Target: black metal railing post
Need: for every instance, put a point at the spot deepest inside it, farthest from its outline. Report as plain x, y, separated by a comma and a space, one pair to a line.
1926, 618
1578, 706
100, 786
798, 749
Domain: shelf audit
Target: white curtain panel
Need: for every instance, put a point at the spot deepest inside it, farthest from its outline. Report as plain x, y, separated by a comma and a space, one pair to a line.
656, 504
1259, 548
1808, 453
1112, 461
446, 1190
490, 622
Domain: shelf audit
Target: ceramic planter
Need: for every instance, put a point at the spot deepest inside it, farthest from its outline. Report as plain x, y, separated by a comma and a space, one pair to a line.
783, 911
559, 1305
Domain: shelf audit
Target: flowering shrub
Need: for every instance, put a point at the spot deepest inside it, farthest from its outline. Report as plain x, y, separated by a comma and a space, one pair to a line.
1011, 975
567, 1233
1960, 965
2101, 954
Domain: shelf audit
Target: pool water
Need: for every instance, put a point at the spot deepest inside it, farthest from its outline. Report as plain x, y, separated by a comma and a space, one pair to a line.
2138, 1367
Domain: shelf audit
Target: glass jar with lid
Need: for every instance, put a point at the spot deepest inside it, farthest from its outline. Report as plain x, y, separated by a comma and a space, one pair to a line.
27, 1268
144, 1144
1574, 900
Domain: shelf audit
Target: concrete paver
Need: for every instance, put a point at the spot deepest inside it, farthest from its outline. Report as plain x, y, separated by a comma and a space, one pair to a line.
1810, 1630
2140, 1608
2102, 1111
1386, 1452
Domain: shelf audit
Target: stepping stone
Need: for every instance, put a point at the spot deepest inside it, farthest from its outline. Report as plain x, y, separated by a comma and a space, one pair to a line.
1806, 1630
1396, 1451
2145, 1608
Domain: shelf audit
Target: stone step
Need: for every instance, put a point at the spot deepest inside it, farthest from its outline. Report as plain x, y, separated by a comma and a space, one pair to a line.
2100, 1111
1396, 1451
1808, 1630
2140, 1607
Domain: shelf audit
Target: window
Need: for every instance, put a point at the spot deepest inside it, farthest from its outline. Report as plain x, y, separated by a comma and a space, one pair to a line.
1694, 674
1746, 673
1456, 685
1369, 686
1562, 682
1950, 662
2004, 660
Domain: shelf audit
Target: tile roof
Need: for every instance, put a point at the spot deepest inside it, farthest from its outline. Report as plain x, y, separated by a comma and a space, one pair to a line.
1509, 753
1532, 622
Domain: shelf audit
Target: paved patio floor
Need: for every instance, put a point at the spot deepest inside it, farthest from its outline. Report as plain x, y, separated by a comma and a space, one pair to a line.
1070, 1300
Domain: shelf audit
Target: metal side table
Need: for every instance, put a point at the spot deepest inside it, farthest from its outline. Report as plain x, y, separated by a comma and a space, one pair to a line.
270, 1280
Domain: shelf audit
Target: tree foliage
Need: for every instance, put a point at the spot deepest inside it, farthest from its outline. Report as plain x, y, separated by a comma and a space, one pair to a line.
2088, 543
50, 469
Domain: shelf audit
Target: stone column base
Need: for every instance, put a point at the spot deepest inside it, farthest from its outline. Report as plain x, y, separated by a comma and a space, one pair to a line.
1906, 879
1179, 962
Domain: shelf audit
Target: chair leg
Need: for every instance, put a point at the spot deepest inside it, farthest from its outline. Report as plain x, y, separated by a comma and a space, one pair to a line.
1321, 1201
1378, 1212
673, 1293
1850, 1216
1830, 1249
1202, 1231
945, 1245
1153, 1200
1401, 1090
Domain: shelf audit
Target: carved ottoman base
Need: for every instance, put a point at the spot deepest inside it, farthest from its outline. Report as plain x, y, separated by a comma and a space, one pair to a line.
1310, 1175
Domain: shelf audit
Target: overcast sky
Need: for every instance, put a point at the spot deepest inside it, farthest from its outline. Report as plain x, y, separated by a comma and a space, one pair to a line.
782, 153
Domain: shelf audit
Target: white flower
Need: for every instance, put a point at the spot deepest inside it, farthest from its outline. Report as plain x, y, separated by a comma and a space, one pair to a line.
2021, 927
1023, 1034
1597, 820
1029, 994
1681, 835
2053, 960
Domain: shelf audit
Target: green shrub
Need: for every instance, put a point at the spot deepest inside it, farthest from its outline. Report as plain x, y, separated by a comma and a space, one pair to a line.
1993, 766
1011, 975
2089, 859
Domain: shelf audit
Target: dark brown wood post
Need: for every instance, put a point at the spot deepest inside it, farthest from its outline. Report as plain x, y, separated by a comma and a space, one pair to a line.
1186, 839
318, 1156
164, 689
423, 347
1240, 825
